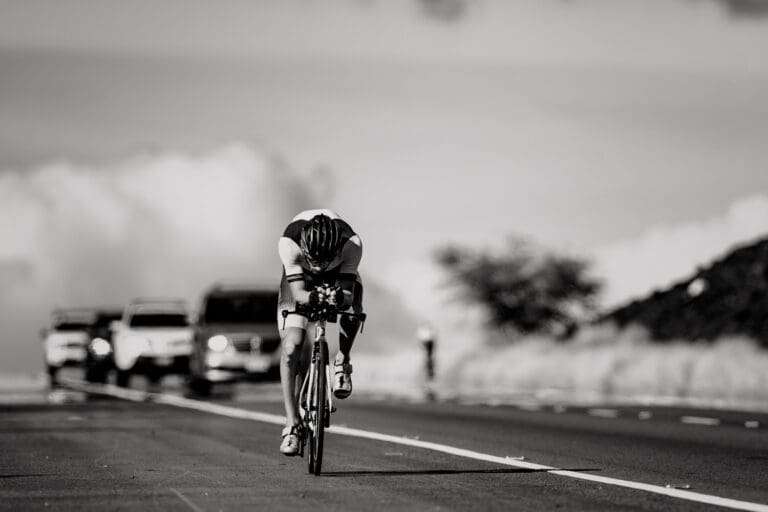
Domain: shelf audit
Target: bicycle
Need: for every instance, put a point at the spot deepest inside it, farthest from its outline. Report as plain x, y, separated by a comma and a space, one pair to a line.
315, 394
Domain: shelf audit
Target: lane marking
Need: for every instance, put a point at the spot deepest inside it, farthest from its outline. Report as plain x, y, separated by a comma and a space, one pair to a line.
752, 424
222, 410
603, 413
186, 500
700, 420
656, 489
645, 415
234, 412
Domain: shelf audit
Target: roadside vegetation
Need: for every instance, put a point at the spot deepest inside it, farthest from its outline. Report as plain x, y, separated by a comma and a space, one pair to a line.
702, 340
523, 290
725, 299
626, 365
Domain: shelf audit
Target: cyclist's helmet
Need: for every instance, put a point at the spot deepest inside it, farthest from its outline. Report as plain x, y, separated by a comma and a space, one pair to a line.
320, 240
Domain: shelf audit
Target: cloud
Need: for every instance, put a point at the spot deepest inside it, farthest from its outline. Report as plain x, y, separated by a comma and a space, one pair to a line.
156, 224
146, 224
667, 253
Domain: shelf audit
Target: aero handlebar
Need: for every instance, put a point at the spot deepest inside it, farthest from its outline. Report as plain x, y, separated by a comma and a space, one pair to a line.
325, 312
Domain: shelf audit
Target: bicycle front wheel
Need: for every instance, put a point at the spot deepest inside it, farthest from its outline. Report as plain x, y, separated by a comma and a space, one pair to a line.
318, 412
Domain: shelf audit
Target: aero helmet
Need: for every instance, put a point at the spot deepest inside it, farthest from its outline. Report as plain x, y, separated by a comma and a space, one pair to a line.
320, 240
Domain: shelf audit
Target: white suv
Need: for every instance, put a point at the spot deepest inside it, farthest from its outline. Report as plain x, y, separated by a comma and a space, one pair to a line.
153, 339
65, 341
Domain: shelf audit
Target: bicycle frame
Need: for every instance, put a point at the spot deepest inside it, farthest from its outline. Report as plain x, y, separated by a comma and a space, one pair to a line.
305, 398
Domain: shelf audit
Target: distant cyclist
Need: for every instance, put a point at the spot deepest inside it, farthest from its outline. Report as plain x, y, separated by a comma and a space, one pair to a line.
317, 247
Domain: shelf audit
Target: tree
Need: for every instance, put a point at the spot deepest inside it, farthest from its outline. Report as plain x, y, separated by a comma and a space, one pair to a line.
527, 290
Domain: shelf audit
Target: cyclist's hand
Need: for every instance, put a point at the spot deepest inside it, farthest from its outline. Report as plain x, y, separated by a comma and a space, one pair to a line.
316, 298
336, 296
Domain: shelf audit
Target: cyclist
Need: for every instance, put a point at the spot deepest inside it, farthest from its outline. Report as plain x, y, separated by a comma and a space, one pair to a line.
317, 247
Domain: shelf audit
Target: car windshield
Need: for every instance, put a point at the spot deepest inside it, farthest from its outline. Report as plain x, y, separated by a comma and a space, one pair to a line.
70, 326
104, 319
159, 320
242, 309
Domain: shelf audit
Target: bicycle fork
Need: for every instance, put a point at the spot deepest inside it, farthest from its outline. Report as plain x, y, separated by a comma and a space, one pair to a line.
306, 397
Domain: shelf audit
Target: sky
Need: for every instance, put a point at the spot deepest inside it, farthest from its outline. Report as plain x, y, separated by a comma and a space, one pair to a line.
630, 132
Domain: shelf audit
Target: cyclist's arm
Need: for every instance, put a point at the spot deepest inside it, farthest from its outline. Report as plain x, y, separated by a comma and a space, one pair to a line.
299, 291
351, 254
290, 254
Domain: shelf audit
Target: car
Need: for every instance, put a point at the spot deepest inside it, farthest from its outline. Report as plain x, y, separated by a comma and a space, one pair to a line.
98, 356
235, 336
153, 339
64, 342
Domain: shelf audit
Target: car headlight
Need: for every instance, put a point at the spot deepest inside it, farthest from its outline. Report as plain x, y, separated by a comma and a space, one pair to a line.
218, 343
100, 347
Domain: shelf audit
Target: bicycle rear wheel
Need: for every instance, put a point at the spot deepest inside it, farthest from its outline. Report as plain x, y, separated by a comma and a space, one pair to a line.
318, 411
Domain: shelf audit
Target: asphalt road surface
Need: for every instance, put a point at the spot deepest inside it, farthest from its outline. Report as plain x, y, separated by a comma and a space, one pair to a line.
84, 451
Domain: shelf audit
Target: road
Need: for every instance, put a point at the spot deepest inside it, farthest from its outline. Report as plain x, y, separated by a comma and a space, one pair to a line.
101, 453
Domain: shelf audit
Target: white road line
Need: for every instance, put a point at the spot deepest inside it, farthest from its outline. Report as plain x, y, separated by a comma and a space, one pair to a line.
603, 413
234, 412
645, 415
752, 424
700, 420
675, 493
186, 500
133, 395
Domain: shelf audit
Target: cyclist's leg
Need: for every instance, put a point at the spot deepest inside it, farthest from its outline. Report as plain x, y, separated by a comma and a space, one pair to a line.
349, 327
292, 332
290, 363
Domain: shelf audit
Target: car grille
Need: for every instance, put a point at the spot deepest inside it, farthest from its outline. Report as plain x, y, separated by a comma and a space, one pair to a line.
243, 344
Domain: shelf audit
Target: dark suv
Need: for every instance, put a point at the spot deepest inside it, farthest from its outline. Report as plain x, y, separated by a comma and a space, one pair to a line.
98, 355
235, 336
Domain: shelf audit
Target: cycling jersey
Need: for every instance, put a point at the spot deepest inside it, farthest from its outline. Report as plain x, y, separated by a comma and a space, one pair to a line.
294, 263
